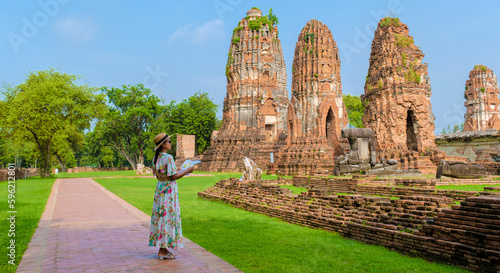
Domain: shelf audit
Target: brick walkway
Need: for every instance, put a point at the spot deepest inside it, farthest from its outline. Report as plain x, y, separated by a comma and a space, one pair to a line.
86, 228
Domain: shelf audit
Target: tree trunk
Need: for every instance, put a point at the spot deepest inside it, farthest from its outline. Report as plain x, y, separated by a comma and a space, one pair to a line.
61, 161
46, 165
141, 158
127, 157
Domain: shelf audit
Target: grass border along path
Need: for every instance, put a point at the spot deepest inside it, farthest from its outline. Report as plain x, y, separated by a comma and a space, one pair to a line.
258, 243
31, 196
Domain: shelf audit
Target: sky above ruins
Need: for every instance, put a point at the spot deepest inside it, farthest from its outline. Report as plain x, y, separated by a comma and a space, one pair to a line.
177, 48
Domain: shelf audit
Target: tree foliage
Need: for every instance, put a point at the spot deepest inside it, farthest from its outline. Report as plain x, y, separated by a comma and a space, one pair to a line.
455, 129
66, 144
193, 116
131, 121
355, 110
273, 17
45, 106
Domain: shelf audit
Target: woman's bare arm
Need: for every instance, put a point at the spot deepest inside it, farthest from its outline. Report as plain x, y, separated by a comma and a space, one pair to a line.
180, 174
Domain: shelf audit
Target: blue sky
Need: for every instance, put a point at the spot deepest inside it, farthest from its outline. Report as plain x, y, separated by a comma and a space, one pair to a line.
177, 48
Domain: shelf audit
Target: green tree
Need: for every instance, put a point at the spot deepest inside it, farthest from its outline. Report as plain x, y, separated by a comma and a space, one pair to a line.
355, 110
131, 121
455, 129
194, 116
44, 105
66, 144
108, 156
273, 17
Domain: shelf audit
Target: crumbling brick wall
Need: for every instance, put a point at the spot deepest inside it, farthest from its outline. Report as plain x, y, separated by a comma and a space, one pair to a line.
410, 224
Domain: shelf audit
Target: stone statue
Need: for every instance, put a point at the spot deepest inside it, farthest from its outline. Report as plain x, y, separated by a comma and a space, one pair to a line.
459, 169
362, 142
251, 171
141, 169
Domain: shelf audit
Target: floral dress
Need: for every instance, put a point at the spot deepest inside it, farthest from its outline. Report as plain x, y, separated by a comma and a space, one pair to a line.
166, 230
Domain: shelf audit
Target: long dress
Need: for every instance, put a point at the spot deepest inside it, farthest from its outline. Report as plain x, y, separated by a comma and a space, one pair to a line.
166, 230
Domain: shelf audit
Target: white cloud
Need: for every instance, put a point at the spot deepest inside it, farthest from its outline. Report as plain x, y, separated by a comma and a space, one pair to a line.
76, 30
199, 34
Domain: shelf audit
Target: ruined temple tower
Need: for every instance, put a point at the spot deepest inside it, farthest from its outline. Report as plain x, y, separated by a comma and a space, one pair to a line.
481, 94
316, 114
255, 107
397, 95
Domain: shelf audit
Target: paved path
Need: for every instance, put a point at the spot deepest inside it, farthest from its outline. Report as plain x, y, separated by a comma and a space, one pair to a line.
86, 228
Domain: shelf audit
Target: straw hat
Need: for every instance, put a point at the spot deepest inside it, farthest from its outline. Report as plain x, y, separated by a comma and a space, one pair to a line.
159, 139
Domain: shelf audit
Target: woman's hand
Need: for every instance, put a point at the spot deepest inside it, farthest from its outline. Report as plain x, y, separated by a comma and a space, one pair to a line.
190, 169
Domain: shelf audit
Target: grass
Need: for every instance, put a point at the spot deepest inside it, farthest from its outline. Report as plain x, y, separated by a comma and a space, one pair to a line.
295, 190
31, 196
257, 243
465, 187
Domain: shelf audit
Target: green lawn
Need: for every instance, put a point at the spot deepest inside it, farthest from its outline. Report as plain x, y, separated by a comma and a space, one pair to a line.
257, 243
465, 187
31, 196
295, 190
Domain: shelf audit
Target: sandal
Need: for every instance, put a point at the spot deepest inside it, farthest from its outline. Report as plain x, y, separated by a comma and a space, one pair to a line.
169, 256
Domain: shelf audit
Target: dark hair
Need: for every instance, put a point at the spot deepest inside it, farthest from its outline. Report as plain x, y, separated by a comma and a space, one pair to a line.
156, 157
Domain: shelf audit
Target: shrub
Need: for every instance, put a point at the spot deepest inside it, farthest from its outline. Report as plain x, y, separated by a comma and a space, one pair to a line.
388, 21
236, 40
370, 88
480, 67
316, 75
229, 61
403, 41
380, 84
482, 89
412, 75
237, 29
273, 17
254, 25
309, 37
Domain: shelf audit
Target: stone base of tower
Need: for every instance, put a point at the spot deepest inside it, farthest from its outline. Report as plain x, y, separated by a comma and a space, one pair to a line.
227, 152
308, 157
426, 162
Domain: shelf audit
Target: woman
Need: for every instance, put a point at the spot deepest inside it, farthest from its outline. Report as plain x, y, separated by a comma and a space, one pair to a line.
166, 230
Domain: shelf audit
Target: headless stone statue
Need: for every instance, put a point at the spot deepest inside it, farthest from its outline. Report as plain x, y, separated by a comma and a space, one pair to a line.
251, 171
459, 169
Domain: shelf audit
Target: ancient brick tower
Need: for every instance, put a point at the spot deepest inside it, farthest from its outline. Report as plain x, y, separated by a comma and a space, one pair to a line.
255, 107
398, 91
316, 114
481, 94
